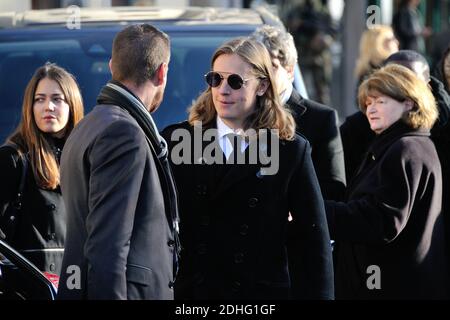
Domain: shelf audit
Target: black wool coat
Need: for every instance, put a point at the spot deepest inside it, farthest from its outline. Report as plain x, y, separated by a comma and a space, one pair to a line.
41, 223
318, 123
393, 221
236, 238
119, 242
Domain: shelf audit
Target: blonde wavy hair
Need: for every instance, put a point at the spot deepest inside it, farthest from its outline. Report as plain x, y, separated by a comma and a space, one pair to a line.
33, 141
269, 113
372, 51
400, 83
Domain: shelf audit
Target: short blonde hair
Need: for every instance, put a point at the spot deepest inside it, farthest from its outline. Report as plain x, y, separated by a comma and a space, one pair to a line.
372, 52
400, 83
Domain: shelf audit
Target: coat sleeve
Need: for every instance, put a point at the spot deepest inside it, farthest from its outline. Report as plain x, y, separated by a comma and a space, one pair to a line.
328, 155
353, 144
309, 249
380, 215
117, 162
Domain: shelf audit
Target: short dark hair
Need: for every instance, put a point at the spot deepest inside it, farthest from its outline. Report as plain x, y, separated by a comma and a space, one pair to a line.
406, 55
407, 58
138, 51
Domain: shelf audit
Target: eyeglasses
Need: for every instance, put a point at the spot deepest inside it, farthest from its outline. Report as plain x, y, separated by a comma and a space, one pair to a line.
235, 81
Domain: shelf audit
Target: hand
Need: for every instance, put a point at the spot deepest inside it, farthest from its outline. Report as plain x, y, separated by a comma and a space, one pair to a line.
427, 31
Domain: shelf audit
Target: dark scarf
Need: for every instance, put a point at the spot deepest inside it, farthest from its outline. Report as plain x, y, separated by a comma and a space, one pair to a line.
117, 94
114, 93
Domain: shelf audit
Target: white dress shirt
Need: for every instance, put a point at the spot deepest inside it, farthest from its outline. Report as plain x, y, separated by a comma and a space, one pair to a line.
224, 142
286, 94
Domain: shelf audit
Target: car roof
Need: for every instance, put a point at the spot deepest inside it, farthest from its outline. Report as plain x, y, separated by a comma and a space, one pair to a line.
191, 16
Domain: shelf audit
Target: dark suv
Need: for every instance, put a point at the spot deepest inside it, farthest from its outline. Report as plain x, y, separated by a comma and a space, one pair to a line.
29, 39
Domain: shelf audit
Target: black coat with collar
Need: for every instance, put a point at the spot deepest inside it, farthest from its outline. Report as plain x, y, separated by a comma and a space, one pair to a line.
356, 139
392, 220
234, 231
318, 123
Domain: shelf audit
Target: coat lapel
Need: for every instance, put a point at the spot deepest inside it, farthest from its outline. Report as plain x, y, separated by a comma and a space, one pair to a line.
237, 173
204, 172
296, 105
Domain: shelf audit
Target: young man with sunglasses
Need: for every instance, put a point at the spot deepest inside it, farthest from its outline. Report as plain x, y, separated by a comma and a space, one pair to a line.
327, 151
234, 216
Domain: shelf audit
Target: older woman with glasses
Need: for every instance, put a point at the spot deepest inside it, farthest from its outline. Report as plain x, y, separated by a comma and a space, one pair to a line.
389, 234
237, 190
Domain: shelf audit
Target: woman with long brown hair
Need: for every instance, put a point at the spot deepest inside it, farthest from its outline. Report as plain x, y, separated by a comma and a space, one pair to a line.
235, 205
52, 106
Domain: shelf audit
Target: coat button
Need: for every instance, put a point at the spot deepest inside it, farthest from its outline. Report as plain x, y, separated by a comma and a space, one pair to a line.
201, 249
204, 221
243, 229
171, 283
260, 174
171, 243
12, 218
201, 190
239, 258
236, 286
252, 202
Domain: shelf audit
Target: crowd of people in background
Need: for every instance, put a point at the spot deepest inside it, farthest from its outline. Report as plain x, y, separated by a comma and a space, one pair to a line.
107, 193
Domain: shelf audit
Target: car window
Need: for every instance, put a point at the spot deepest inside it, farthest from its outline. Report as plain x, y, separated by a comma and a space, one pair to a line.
86, 55
22, 54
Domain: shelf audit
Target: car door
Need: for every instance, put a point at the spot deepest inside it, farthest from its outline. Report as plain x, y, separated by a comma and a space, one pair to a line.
20, 279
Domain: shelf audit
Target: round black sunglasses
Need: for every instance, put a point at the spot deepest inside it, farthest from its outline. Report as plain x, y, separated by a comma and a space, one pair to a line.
235, 81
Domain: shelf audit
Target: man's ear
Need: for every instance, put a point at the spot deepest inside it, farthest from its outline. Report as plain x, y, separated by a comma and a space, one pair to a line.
409, 105
290, 72
109, 64
161, 73
263, 85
